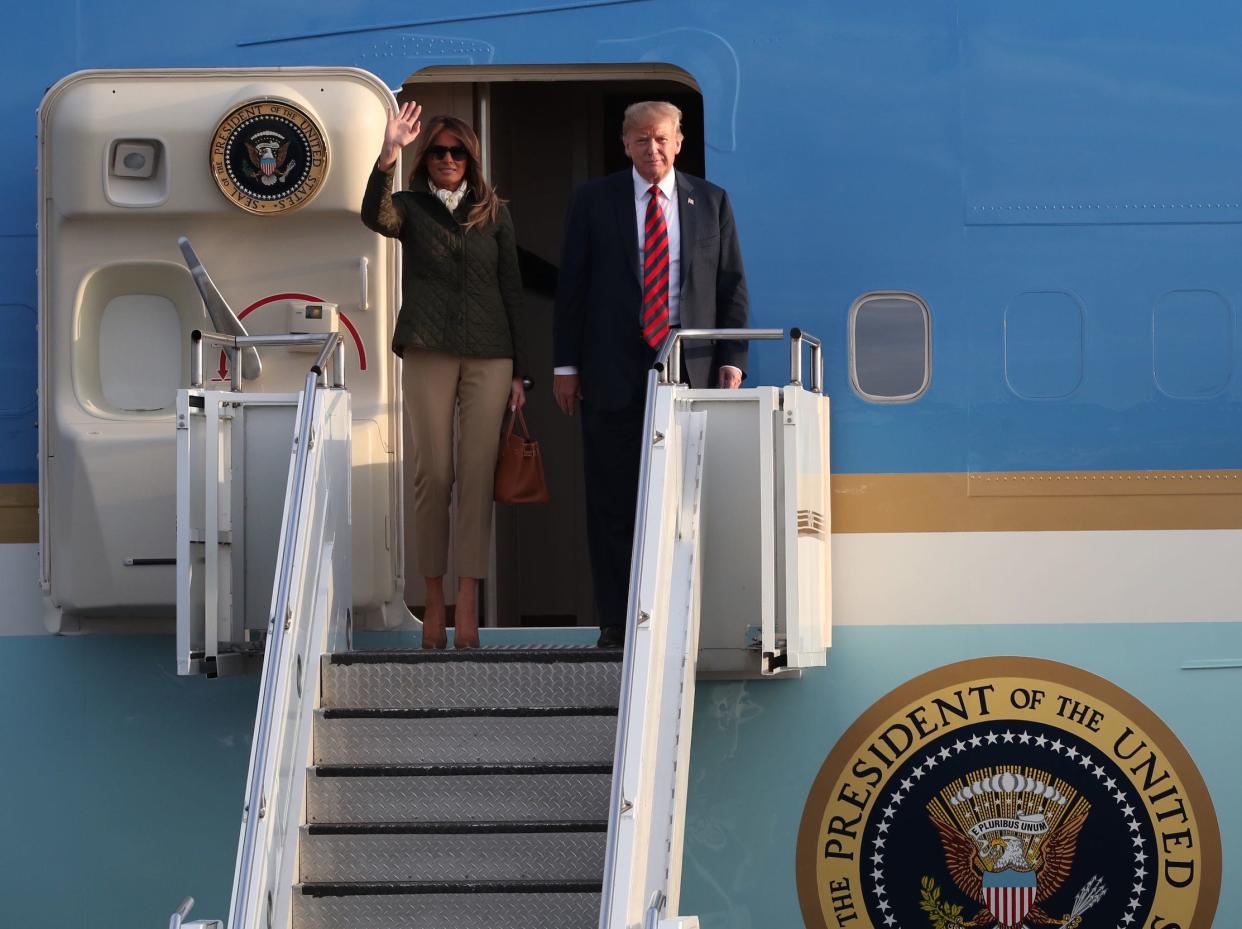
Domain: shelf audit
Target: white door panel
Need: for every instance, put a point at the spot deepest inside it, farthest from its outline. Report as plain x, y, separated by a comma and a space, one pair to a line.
130, 161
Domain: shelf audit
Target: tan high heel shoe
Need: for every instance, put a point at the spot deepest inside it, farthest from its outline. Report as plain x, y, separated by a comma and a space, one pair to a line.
466, 635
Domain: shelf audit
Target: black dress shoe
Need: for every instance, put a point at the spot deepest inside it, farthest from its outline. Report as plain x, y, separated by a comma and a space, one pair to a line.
611, 637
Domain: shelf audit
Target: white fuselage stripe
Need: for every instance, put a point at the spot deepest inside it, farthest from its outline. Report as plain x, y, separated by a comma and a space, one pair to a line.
950, 578
977, 578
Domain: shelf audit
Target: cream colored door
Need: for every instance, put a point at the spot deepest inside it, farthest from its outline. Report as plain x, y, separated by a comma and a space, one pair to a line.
263, 170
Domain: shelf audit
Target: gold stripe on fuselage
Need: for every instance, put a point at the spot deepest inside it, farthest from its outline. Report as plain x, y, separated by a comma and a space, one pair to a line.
19, 513
1036, 501
1011, 501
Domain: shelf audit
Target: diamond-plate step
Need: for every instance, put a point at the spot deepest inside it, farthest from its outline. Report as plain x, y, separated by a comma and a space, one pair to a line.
501, 736
452, 793
438, 856
484, 677
467, 910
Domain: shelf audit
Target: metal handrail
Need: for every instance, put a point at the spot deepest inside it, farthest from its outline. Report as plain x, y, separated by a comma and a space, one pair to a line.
332, 344
796, 338
668, 360
218, 309
180, 913
616, 801
652, 918
667, 370
278, 623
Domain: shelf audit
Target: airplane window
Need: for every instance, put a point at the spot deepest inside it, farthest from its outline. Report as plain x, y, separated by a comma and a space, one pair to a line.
1192, 343
890, 346
1044, 344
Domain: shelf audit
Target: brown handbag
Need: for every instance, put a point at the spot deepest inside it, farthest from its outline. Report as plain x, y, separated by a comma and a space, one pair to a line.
519, 466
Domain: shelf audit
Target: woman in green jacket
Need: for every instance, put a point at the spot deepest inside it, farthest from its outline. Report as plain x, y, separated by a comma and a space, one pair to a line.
458, 336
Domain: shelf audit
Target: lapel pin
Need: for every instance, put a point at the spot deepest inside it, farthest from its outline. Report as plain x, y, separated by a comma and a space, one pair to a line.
689, 201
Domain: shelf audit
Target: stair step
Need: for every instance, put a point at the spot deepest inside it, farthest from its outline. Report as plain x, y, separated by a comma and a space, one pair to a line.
447, 888
458, 792
449, 827
346, 736
429, 910
481, 856
483, 677
494, 654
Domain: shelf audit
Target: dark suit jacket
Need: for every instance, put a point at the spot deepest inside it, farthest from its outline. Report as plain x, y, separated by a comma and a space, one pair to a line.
599, 293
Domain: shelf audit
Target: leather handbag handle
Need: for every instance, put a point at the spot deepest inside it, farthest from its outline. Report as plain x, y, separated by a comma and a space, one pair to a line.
516, 416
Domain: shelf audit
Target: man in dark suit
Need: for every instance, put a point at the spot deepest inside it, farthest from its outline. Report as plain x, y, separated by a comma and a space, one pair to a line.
646, 250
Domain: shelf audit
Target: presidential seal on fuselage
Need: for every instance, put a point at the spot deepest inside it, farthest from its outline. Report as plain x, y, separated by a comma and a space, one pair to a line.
269, 156
1008, 793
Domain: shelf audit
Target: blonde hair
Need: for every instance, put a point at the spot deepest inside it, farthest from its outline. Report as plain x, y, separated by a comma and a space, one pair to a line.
649, 112
488, 204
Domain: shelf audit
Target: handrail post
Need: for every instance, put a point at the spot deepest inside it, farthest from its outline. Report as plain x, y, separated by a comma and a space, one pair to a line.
332, 349
795, 356
796, 338
196, 358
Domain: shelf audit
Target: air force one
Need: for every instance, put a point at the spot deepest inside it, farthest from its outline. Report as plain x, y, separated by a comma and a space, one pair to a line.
936, 623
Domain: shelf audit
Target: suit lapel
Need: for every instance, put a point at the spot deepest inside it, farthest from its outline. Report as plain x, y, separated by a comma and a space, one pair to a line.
688, 221
627, 219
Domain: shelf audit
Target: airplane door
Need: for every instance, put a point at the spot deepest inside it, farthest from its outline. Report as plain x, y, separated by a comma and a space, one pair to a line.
263, 170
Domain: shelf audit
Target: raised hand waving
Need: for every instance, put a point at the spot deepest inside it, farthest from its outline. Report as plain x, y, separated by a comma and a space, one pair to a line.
402, 129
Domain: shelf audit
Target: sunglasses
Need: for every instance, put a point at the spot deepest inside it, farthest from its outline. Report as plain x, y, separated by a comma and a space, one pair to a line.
439, 151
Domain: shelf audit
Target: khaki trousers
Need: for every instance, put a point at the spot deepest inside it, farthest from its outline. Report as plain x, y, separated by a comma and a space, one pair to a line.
435, 385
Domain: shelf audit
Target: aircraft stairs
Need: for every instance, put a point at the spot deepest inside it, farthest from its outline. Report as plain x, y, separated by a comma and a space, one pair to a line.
510, 786
459, 789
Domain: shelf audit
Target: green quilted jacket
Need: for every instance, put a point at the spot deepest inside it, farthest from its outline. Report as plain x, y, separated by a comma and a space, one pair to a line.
461, 289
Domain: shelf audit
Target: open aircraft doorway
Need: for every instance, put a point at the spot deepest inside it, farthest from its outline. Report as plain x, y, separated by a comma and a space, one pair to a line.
544, 130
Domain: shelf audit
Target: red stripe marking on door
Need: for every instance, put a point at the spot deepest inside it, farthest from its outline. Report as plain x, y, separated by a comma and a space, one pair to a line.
362, 351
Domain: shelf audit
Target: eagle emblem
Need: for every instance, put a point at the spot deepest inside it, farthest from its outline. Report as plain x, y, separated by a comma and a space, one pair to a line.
1009, 836
268, 153
269, 156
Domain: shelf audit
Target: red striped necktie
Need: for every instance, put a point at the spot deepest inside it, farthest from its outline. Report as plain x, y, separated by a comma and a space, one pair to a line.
655, 273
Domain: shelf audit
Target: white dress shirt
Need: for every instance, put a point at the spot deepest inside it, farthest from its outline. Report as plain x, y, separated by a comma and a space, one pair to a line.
672, 219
